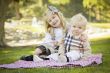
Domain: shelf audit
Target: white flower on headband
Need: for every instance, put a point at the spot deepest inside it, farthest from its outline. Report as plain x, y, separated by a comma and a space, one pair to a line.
53, 9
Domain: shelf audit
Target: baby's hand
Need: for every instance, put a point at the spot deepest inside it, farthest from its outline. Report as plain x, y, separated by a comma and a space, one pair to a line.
83, 49
84, 38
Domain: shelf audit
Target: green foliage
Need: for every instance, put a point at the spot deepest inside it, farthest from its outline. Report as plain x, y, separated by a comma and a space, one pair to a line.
59, 2
89, 3
31, 8
94, 10
98, 9
4, 9
74, 7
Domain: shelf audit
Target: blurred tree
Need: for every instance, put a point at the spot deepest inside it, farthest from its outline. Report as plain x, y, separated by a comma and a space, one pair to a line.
72, 8
8, 9
16, 8
68, 7
31, 8
4, 7
99, 9
59, 2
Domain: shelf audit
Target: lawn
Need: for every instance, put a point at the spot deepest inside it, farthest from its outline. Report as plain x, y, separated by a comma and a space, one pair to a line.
99, 45
9, 55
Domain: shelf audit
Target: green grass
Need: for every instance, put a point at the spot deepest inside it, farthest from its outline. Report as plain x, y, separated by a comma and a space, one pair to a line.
9, 55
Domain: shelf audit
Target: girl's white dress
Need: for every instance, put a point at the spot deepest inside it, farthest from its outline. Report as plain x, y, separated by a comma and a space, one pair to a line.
48, 42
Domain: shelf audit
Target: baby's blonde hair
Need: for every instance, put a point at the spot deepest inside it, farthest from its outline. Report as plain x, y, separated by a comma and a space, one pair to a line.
79, 19
52, 10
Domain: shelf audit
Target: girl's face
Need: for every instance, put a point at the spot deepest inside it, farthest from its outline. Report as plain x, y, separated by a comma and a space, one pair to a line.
77, 29
54, 20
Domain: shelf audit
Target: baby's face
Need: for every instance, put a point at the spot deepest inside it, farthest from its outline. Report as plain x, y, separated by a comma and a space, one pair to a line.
54, 20
77, 29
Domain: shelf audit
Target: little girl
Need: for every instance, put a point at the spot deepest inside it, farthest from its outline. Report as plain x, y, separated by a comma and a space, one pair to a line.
55, 32
75, 45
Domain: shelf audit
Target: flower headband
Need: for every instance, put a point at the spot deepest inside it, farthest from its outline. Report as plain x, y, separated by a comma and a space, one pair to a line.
53, 9
50, 11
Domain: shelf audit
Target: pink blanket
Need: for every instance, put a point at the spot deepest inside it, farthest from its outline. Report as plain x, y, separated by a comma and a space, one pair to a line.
93, 59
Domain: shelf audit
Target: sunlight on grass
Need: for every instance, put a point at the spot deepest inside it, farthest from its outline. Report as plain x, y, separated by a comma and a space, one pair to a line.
100, 38
101, 25
31, 52
6, 52
31, 28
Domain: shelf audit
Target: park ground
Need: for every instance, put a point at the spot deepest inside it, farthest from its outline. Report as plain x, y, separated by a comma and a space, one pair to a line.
99, 45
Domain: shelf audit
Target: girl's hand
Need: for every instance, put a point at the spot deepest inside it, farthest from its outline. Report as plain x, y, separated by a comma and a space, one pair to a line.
58, 43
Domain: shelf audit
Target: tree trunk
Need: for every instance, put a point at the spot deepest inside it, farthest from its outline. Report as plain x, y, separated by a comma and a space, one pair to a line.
3, 12
2, 34
97, 13
16, 7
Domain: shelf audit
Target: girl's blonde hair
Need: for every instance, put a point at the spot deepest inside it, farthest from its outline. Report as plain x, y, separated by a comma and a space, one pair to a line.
79, 19
52, 10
